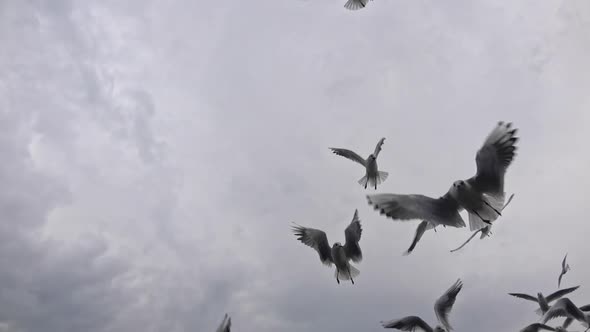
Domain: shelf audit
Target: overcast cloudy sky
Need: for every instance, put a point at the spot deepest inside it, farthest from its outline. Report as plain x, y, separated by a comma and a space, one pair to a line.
154, 154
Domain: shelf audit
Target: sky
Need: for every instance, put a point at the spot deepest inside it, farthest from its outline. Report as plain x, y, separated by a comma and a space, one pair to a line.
155, 153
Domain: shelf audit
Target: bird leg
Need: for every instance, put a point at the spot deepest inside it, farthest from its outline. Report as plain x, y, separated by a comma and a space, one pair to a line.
493, 208
350, 274
337, 273
482, 219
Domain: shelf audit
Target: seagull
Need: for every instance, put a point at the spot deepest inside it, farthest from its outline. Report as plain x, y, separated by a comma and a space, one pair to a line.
544, 301
482, 195
339, 255
442, 308
355, 4
486, 231
568, 321
373, 175
225, 324
536, 327
564, 268
564, 307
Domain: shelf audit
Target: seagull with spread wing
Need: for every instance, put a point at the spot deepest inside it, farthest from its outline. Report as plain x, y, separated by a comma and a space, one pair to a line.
564, 307
442, 308
564, 268
373, 176
543, 301
481, 195
225, 324
568, 321
340, 255
355, 4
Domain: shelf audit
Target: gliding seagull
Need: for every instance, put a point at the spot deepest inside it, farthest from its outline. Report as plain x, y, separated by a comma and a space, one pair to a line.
339, 255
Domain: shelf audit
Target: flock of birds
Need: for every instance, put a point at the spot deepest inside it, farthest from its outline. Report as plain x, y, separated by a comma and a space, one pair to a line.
481, 195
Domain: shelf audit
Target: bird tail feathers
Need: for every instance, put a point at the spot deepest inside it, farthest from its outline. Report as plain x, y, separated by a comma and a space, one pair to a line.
373, 181
345, 275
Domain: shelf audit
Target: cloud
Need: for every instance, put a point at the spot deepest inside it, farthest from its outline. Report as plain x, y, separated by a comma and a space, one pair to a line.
155, 153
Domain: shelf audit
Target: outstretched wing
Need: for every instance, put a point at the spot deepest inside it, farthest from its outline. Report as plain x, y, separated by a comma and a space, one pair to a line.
225, 324
525, 296
378, 147
536, 327
349, 155
564, 308
441, 211
443, 306
355, 4
560, 293
352, 234
422, 227
493, 158
410, 323
316, 239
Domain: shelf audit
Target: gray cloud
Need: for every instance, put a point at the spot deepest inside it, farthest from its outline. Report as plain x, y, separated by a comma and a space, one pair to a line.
155, 153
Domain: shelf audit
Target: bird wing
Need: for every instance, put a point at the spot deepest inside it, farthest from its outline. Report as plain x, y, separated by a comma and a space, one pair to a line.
352, 234
420, 230
563, 262
535, 327
410, 323
560, 293
225, 324
316, 239
443, 306
349, 155
564, 308
441, 211
355, 4
493, 158
525, 296
378, 147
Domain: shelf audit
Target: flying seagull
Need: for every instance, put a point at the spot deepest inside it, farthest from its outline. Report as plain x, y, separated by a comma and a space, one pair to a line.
543, 301
355, 4
486, 231
568, 321
482, 195
339, 255
373, 175
564, 268
564, 307
442, 308
225, 324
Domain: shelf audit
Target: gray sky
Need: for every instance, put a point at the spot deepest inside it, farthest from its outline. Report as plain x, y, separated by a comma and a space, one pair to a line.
154, 154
